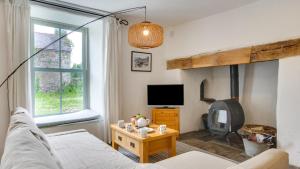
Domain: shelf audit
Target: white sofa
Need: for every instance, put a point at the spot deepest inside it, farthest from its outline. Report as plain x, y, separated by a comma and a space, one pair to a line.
28, 148
271, 159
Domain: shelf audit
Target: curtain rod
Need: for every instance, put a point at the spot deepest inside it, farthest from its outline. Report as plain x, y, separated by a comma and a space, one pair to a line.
78, 8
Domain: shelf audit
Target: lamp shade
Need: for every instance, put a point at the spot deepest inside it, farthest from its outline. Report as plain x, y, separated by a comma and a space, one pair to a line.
145, 35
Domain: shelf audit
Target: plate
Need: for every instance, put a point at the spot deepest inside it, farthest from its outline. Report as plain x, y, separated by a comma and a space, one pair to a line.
149, 130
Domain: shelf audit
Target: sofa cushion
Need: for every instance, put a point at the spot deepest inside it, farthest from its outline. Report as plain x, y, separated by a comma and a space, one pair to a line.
196, 160
26, 146
270, 159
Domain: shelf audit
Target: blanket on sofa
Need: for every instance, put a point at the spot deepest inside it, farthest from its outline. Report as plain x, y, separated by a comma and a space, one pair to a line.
81, 150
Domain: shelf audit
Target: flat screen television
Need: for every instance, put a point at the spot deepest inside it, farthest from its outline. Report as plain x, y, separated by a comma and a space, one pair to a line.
165, 95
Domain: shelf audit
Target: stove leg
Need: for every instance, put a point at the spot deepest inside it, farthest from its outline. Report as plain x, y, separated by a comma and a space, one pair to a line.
227, 138
239, 135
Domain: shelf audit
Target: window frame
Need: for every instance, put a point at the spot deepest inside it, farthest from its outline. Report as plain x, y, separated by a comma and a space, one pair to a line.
84, 70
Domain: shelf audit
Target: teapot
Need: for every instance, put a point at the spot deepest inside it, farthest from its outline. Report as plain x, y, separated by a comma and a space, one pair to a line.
142, 122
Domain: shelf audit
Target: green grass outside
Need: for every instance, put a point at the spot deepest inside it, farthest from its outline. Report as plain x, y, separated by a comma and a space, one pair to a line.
48, 103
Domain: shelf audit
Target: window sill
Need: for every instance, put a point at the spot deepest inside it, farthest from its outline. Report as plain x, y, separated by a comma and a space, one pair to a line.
48, 121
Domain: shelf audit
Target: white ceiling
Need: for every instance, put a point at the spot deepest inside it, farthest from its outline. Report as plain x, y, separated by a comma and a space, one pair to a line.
168, 12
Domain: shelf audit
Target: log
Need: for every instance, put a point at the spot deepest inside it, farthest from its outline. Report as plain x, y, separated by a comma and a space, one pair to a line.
232, 57
182, 63
275, 51
252, 54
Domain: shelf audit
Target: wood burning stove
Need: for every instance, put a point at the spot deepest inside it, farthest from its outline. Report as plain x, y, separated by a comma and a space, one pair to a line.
226, 116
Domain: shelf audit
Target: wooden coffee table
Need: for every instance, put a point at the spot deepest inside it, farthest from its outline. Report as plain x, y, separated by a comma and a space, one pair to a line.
143, 147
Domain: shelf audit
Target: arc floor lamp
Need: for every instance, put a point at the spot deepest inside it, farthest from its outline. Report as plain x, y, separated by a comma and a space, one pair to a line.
141, 35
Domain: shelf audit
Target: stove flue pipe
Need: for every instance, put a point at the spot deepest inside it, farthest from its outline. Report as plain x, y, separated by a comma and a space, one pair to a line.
234, 82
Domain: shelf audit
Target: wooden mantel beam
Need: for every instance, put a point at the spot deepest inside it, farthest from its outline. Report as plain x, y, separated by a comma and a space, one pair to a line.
259, 53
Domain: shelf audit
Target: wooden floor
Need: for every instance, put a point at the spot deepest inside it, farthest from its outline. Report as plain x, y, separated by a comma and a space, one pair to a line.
217, 145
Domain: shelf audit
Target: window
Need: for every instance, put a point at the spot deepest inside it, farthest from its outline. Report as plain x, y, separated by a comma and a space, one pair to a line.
59, 73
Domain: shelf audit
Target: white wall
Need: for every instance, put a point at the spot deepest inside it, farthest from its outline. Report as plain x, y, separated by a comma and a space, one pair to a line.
260, 22
259, 93
288, 112
191, 112
257, 23
51, 14
96, 65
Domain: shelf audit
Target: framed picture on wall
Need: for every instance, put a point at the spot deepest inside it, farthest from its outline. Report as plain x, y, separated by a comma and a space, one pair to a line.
141, 61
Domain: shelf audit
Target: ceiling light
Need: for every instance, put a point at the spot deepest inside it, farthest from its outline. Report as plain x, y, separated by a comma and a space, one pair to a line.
145, 35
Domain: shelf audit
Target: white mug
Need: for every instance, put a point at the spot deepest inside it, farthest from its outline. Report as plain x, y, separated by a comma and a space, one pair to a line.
121, 123
129, 127
162, 129
143, 132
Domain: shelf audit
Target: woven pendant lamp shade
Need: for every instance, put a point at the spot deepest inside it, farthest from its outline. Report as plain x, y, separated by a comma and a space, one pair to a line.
145, 35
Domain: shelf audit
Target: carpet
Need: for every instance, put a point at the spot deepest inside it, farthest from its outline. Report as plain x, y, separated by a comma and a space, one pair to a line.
180, 149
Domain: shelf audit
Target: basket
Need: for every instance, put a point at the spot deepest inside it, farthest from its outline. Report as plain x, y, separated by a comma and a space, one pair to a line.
252, 147
259, 129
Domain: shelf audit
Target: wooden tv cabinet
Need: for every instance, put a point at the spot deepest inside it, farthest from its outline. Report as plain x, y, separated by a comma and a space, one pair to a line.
168, 116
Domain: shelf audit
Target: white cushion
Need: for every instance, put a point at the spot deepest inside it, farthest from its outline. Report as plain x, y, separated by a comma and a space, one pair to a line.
24, 151
21, 118
26, 147
195, 160
270, 159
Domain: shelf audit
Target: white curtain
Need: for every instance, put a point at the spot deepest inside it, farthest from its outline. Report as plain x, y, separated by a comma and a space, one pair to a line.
17, 23
112, 45
14, 30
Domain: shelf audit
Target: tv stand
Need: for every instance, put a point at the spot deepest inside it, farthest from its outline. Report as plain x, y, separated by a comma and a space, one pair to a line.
166, 115
165, 107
